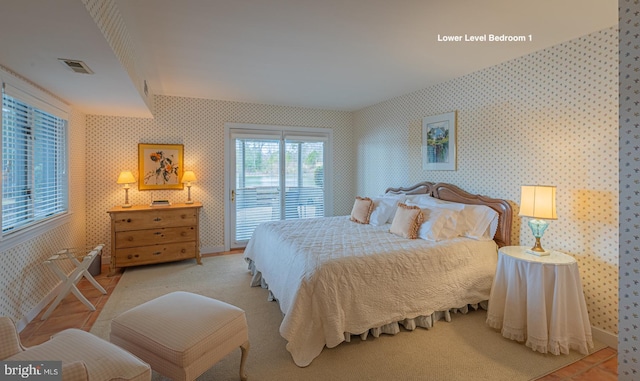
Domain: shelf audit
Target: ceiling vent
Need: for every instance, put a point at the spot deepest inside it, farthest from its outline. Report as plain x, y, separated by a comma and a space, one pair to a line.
76, 65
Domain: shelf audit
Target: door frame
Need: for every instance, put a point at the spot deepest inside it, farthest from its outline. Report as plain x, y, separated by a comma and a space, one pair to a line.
229, 182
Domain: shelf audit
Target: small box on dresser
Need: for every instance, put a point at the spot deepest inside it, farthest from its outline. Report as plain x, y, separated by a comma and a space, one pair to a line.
143, 234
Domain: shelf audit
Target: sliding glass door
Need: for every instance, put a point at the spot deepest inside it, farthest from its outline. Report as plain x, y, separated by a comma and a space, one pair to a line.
304, 178
276, 175
256, 197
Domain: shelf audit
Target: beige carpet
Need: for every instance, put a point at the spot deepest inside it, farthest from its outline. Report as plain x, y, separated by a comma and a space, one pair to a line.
462, 349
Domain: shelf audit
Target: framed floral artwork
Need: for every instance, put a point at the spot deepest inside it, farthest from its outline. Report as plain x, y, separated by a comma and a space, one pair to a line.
160, 166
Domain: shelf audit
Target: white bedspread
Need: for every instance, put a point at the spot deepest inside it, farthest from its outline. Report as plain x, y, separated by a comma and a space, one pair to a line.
333, 276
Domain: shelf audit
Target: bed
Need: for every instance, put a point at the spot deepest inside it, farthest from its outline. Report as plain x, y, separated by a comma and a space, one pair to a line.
334, 278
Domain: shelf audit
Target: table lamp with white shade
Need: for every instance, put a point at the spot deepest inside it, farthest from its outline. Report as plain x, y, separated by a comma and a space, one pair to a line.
187, 178
539, 203
126, 178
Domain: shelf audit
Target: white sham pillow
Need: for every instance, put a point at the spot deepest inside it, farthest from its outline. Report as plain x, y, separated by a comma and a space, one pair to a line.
493, 228
384, 209
428, 201
481, 222
442, 220
416, 199
478, 222
439, 224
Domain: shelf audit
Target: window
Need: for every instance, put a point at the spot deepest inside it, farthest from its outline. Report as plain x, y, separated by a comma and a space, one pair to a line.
34, 161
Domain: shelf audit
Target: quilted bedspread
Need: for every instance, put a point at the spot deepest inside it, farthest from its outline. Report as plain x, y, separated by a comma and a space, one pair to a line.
332, 277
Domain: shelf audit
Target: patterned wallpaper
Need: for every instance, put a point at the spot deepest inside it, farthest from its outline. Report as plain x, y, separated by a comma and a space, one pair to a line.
546, 118
198, 124
628, 355
106, 15
24, 280
556, 109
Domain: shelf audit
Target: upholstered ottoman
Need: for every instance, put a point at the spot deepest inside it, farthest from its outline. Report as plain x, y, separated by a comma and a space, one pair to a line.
181, 335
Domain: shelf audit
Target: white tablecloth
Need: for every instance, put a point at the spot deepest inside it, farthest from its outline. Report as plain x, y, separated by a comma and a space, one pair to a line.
540, 300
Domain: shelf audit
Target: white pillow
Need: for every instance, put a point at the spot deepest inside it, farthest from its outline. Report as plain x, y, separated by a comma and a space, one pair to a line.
384, 208
416, 199
481, 222
493, 228
428, 201
442, 219
439, 224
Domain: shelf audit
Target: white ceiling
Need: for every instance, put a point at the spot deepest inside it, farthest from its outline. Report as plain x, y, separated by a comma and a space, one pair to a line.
35, 33
333, 54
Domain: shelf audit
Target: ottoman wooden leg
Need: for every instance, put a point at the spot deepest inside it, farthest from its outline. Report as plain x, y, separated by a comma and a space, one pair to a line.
245, 352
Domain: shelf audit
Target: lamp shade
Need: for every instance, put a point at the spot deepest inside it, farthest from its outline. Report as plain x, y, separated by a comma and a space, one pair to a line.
538, 201
188, 176
126, 177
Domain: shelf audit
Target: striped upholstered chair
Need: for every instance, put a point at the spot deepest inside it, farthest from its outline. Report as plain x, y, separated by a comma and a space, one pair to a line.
84, 357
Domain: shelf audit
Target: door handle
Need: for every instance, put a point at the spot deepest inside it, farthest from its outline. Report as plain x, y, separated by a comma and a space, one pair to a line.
233, 195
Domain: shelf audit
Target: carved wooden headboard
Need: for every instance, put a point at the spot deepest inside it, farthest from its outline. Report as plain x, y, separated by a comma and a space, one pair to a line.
424, 187
449, 192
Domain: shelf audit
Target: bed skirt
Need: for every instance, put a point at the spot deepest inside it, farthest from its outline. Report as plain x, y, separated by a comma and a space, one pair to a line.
424, 321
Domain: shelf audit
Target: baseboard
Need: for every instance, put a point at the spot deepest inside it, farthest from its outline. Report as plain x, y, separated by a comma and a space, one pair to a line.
603, 336
22, 323
211, 249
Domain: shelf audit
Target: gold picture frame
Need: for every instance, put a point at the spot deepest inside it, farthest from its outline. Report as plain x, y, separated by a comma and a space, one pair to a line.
160, 166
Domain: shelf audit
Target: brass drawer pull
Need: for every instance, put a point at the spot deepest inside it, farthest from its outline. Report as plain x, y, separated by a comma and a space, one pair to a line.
157, 233
157, 219
157, 253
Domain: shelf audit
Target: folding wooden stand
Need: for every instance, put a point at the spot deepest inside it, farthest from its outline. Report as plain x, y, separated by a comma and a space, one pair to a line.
69, 281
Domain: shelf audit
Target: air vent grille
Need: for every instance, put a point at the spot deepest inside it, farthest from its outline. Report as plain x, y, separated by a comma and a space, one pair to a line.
76, 65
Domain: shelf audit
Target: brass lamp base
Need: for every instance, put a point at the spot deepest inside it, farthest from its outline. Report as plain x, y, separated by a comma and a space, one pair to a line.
538, 250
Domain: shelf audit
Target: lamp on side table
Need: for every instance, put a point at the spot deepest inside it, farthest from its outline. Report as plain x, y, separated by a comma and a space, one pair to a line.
538, 202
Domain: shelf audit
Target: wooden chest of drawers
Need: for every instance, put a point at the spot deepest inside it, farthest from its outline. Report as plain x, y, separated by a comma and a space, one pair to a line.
142, 234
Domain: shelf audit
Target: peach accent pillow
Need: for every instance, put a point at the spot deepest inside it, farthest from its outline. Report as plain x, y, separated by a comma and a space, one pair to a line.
362, 210
407, 221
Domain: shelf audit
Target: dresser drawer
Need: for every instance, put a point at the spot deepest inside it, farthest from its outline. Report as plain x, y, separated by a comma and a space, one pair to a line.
135, 238
142, 235
154, 219
155, 254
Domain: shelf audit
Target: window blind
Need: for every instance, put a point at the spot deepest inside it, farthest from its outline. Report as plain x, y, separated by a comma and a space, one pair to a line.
34, 163
304, 178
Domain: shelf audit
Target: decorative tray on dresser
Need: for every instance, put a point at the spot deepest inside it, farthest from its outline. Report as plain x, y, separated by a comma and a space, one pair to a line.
143, 234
